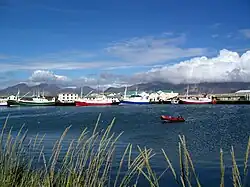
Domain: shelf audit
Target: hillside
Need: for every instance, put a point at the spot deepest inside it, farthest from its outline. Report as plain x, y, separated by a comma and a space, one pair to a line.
222, 87
49, 89
52, 89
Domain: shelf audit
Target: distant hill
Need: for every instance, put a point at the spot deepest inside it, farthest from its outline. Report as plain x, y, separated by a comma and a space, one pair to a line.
221, 87
53, 89
49, 89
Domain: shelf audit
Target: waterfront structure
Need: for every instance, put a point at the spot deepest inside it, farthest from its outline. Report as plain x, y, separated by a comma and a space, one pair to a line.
67, 97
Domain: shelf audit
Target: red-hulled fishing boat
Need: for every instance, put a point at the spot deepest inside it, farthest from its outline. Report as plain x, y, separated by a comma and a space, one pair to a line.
99, 100
172, 119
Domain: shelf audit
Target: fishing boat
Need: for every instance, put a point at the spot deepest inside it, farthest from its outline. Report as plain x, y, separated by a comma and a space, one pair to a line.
35, 101
96, 100
175, 102
195, 100
172, 119
39, 100
3, 101
198, 100
135, 99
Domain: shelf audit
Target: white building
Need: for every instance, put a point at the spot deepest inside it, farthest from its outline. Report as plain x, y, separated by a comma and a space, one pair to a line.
162, 95
166, 95
243, 92
67, 97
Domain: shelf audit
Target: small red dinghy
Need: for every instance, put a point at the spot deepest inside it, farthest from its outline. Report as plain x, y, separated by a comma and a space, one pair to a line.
172, 119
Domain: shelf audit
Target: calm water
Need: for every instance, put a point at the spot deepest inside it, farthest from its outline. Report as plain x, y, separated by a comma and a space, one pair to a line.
207, 129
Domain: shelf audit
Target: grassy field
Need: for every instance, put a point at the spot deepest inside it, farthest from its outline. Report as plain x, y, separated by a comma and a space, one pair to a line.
88, 162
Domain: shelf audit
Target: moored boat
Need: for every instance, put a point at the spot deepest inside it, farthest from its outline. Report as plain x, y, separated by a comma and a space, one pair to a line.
34, 101
3, 101
175, 102
99, 100
198, 100
135, 99
39, 100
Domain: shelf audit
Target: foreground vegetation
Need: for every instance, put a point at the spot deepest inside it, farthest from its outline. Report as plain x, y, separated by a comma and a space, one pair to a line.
88, 162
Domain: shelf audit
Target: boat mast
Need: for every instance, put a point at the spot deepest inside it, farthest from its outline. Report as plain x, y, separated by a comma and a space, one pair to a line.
17, 95
88, 93
98, 86
125, 92
187, 91
24, 94
190, 76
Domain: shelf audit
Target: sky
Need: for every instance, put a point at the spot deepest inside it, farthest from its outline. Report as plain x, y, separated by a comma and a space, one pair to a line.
118, 42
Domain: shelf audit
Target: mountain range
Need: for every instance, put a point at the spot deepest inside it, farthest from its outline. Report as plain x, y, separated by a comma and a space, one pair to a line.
210, 88
48, 89
53, 89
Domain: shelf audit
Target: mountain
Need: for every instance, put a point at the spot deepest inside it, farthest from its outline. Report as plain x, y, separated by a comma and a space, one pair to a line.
49, 89
53, 89
219, 87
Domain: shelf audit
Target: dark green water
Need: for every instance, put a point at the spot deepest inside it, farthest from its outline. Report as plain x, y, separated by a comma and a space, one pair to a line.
207, 129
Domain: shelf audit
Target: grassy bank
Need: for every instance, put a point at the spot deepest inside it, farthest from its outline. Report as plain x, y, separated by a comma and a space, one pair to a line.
88, 162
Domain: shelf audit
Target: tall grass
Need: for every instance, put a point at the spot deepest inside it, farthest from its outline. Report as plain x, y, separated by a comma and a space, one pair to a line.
89, 161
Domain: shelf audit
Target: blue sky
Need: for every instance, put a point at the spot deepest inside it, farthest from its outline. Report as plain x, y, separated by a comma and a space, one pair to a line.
115, 42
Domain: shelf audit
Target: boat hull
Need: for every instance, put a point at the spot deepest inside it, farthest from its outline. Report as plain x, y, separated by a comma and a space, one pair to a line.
24, 103
4, 104
134, 103
171, 119
65, 104
80, 103
194, 102
175, 102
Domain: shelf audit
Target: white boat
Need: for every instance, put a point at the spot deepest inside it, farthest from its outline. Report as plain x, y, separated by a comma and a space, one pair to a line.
3, 101
136, 99
175, 102
39, 100
198, 100
97, 100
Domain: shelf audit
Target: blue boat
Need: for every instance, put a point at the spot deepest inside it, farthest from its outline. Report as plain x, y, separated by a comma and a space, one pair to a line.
135, 99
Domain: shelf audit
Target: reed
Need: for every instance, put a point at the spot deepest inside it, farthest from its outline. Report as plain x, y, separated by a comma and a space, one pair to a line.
89, 161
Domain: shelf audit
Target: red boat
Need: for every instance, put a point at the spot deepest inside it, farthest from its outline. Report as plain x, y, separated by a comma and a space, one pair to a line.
84, 103
172, 119
99, 100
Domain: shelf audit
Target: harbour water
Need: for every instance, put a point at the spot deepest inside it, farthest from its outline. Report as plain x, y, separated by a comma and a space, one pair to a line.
207, 129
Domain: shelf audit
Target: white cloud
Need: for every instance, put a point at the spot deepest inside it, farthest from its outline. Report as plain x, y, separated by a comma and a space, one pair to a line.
144, 51
52, 65
245, 32
70, 60
215, 26
3, 57
104, 80
227, 66
215, 36
44, 76
153, 50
